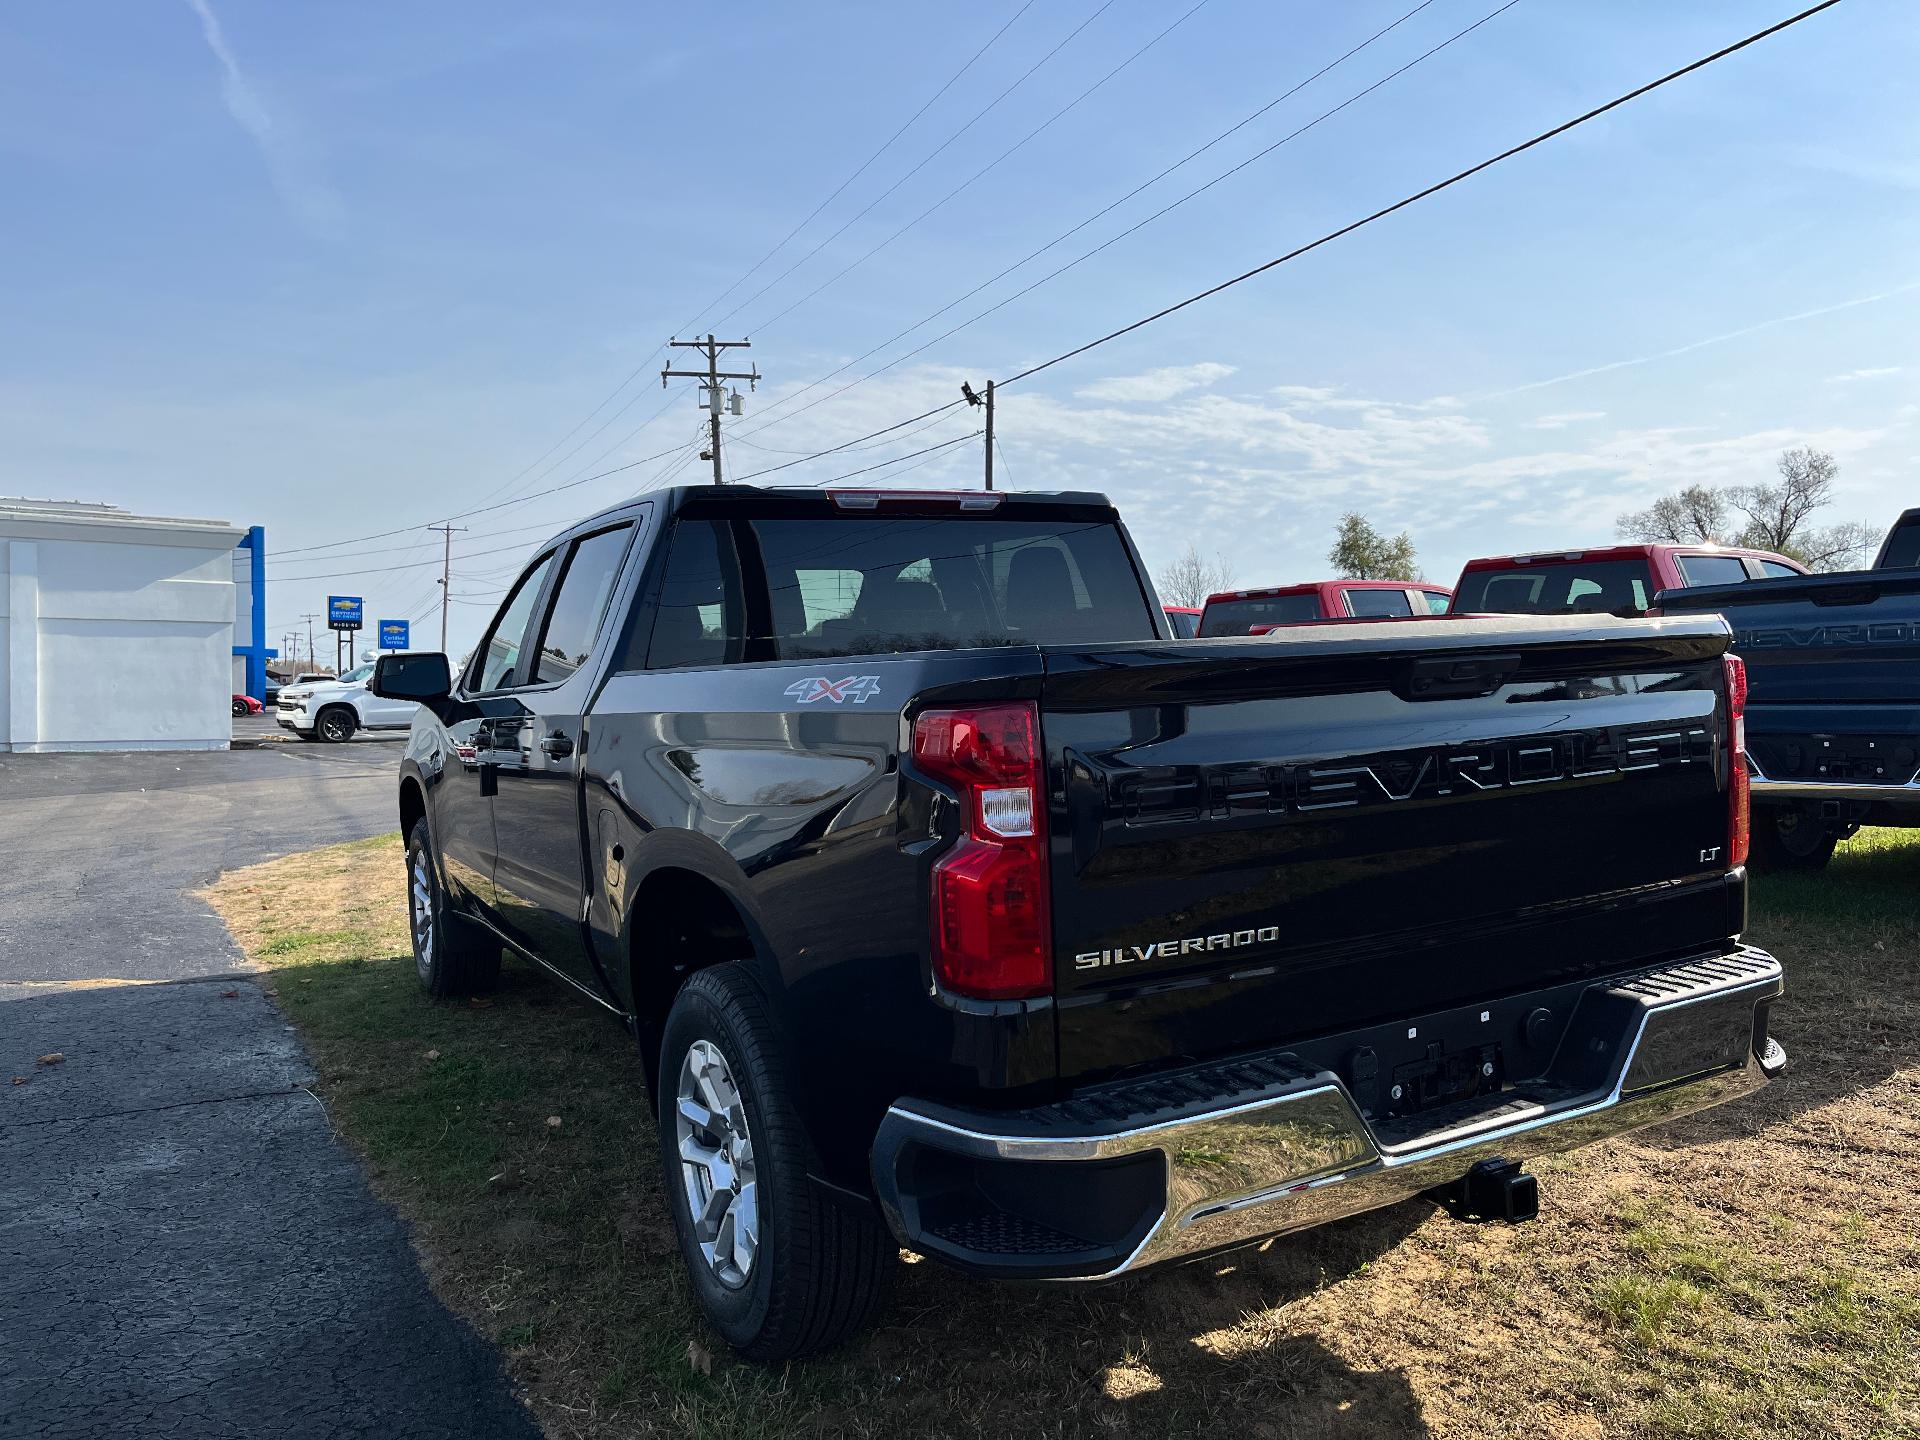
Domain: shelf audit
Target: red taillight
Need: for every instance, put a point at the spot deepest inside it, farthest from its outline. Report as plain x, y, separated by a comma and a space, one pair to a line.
990, 911
1739, 806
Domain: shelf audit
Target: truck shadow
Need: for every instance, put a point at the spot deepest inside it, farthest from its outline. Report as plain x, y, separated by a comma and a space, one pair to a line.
1204, 1347
1849, 938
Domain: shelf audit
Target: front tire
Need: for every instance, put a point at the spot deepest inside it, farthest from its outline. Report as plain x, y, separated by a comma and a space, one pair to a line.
452, 955
336, 724
1788, 840
780, 1268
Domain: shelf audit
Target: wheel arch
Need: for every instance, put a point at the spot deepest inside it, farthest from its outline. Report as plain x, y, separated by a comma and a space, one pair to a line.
413, 803
681, 918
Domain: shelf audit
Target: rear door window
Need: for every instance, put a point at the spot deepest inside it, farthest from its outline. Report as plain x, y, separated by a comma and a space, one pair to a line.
700, 617
1237, 617
1436, 601
1713, 569
1567, 587
1370, 604
1774, 570
580, 603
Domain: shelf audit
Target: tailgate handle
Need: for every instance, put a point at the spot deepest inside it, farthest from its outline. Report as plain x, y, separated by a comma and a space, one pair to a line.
1455, 677
1857, 594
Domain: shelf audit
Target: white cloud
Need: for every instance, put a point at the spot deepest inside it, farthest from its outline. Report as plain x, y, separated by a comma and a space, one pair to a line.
1156, 385
309, 199
1745, 330
1878, 372
1560, 422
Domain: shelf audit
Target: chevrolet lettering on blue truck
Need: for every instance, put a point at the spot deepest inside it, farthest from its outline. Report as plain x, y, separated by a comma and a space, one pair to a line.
955, 905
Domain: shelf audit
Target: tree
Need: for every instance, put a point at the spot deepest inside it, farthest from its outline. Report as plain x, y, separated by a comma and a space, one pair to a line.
1361, 552
1771, 516
1190, 579
1778, 514
1695, 514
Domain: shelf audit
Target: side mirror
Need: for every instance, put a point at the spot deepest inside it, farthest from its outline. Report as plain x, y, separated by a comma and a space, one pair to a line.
424, 677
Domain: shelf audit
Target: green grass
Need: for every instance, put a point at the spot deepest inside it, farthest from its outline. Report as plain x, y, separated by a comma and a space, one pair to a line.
1753, 1271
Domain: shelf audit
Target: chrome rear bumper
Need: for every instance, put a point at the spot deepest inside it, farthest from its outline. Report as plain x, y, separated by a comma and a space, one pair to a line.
1142, 1173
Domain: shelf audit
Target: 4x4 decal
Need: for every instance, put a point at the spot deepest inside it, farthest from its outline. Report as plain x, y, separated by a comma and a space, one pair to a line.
815, 688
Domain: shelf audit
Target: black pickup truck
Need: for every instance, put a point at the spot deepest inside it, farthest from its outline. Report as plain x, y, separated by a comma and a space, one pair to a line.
1833, 723
954, 905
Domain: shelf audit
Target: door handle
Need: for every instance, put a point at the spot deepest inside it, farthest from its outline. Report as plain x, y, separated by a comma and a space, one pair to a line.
558, 746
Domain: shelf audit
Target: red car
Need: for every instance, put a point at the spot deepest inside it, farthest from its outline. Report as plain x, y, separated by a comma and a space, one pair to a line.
246, 705
1610, 579
1246, 612
1185, 620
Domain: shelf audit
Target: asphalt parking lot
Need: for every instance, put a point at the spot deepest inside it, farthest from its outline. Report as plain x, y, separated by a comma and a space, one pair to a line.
185, 1246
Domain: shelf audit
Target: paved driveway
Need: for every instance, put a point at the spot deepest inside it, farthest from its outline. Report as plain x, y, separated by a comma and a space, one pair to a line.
185, 1249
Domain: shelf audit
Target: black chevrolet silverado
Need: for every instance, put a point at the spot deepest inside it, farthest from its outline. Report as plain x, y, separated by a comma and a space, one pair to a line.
955, 905
1833, 724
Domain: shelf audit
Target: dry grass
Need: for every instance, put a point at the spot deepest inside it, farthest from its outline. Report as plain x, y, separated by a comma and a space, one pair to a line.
1753, 1271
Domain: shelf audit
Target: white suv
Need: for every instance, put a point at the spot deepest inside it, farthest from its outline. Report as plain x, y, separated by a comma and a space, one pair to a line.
333, 709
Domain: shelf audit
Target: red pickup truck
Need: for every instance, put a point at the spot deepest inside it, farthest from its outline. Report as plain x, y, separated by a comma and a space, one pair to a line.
1610, 579
1244, 612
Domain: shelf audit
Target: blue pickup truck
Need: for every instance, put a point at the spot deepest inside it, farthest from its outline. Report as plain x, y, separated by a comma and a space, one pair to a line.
1833, 711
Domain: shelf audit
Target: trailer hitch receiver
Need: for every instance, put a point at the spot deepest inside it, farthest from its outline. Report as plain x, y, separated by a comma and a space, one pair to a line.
1494, 1189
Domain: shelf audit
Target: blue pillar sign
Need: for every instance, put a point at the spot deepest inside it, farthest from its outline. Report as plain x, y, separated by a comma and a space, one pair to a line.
344, 612
395, 634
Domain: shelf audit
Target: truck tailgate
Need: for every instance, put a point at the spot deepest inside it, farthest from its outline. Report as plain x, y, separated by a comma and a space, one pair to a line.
1833, 672
1256, 841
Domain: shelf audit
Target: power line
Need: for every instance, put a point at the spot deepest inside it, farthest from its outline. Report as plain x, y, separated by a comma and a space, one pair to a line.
924, 162
883, 464
1434, 189
991, 164
1142, 223
866, 164
485, 509
1065, 235
746, 275
849, 444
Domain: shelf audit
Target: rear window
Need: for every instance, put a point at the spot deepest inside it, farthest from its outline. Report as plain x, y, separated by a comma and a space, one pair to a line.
1903, 547
1713, 569
788, 589
1373, 603
1570, 587
1236, 617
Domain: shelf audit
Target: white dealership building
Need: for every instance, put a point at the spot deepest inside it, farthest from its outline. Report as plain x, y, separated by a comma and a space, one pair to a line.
117, 631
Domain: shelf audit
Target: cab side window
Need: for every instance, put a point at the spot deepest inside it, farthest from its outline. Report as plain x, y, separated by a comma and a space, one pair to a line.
1374, 603
1713, 569
580, 604
499, 666
700, 618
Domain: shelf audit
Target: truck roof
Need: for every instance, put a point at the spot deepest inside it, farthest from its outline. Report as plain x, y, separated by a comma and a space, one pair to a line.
851, 499
1301, 587
1617, 552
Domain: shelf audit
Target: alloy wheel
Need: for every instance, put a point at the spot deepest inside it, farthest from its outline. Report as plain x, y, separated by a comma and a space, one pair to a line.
717, 1164
422, 887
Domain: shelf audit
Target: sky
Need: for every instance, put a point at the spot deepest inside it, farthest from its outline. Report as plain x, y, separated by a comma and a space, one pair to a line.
353, 269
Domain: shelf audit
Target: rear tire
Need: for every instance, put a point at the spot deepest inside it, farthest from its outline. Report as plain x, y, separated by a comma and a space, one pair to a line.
1788, 840
239, 710
336, 724
815, 1267
452, 955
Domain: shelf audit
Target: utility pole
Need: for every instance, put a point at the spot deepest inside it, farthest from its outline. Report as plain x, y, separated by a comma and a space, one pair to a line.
313, 656
973, 398
710, 379
446, 577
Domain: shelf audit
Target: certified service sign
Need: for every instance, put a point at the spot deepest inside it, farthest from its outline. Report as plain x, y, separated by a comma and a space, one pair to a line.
395, 634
